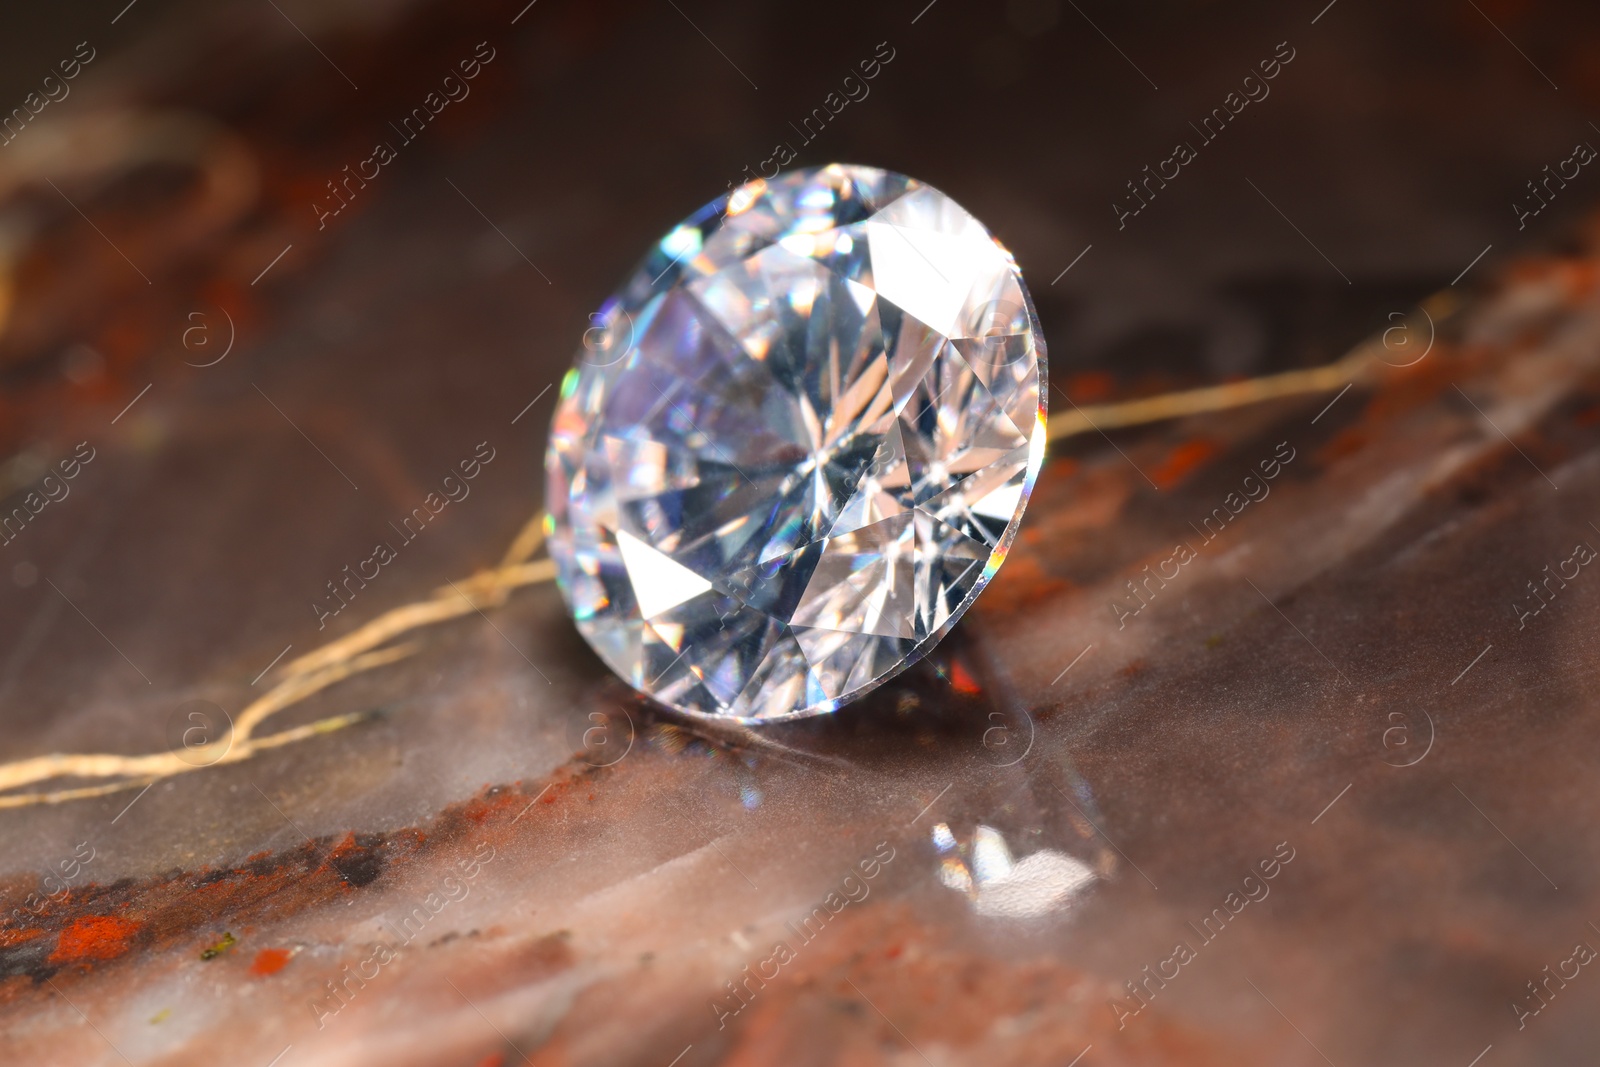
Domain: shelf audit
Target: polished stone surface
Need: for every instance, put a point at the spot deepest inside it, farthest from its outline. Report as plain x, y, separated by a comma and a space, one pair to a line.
797, 444
1342, 736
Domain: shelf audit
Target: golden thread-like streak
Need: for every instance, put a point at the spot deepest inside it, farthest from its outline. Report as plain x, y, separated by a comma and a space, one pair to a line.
301, 678
232, 747
241, 750
354, 652
297, 687
1362, 361
486, 589
526, 543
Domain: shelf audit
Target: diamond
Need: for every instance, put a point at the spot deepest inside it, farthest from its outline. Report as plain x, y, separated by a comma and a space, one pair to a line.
797, 444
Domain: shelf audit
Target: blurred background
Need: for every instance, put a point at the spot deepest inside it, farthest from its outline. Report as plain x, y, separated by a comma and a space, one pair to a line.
271, 361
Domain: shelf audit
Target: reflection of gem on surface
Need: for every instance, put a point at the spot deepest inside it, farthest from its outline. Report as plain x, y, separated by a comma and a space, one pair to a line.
1002, 887
810, 453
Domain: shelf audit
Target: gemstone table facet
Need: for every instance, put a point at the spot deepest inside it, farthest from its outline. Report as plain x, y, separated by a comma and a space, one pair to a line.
796, 445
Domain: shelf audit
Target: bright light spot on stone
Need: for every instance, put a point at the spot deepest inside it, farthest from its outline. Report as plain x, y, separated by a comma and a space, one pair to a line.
1035, 886
681, 242
991, 858
659, 584
741, 199
999, 886
953, 874
1000, 504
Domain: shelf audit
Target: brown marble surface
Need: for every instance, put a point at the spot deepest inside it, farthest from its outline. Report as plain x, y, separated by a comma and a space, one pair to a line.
509, 858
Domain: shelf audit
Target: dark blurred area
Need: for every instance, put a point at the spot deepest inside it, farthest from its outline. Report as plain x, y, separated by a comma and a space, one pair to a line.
1397, 140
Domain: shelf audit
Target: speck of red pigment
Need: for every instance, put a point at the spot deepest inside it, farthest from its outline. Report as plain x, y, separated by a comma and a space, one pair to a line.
1182, 462
498, 801
1091, 386
94, 937
493, 1059
892, 952
962, 681
269, 961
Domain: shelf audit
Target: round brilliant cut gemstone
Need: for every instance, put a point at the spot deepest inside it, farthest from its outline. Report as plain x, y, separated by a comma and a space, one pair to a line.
796, 445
